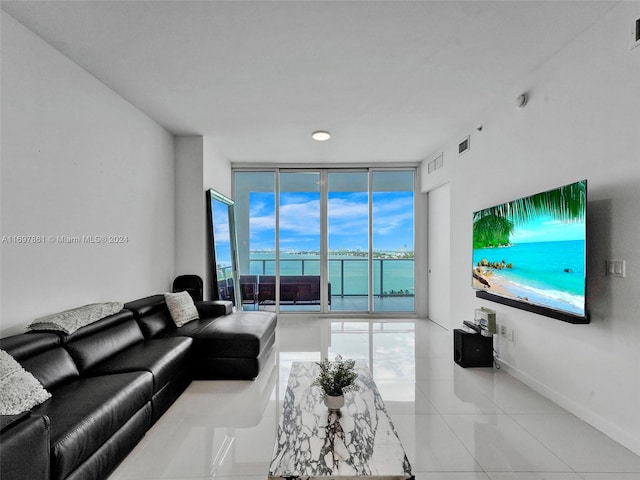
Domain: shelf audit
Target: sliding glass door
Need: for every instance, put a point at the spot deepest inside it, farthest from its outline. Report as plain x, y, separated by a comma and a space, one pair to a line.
393, 240
326, 240
348, 240
255, 210
299, 240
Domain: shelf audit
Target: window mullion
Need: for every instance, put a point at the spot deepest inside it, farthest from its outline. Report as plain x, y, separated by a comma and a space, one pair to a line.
324, 247
370, 252
277, 199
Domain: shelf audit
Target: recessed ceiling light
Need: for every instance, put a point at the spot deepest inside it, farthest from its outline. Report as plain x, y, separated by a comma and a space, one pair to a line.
321, 135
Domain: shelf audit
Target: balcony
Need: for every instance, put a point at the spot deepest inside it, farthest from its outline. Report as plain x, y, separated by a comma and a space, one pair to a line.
393, 289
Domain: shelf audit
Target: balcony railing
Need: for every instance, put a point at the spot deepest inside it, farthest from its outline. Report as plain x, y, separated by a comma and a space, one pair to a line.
349, 276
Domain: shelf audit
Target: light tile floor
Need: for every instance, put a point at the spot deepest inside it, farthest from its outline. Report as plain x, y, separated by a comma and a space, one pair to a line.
455, 423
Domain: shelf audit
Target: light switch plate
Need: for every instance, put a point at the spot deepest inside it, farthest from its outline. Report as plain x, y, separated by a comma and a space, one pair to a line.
616, 268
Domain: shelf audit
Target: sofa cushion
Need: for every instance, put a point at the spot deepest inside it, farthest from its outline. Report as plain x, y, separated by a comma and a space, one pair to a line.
52, 367
181, 307
155, 320
165, 358
214, 308
26, 345
221, 368
42, 355
191, 329
91, 350
85, 413
152, 315
20, 391
239, 335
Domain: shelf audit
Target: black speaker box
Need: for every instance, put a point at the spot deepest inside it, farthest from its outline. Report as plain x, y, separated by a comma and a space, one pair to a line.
472, 349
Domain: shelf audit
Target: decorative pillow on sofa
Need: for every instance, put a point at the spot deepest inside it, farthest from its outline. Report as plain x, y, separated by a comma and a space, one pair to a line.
71, 320
20, 391
181, 307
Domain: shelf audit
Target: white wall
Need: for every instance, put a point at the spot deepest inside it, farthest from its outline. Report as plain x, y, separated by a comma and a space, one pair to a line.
198, 168
190, 208
216, 175
582, 121
217, 170
77, 160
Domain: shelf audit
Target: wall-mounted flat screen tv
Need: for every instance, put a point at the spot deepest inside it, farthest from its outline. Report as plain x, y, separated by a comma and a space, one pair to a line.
530, 253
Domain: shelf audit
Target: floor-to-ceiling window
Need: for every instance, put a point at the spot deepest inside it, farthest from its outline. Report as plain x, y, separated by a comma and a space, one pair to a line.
255, 212
299, 240
348, 240
393, 240
326, 240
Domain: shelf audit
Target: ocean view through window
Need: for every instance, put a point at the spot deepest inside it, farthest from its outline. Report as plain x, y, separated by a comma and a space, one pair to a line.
336, 240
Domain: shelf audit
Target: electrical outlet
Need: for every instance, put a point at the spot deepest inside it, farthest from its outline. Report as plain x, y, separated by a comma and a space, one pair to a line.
505, 332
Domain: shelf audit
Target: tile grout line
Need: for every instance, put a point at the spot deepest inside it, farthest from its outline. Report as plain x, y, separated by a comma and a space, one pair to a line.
541, 443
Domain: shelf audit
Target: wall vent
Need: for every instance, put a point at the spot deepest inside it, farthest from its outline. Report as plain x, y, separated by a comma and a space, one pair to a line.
435, 164
463, 146
635, 34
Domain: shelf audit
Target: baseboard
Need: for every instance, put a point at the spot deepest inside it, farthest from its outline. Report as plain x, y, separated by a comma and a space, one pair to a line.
624, 438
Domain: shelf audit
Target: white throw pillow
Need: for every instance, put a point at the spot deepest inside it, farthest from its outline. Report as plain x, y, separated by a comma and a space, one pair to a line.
20, 391
71, 320
181, 307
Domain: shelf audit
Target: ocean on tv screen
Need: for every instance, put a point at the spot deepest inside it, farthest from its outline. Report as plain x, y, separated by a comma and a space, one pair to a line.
550, 274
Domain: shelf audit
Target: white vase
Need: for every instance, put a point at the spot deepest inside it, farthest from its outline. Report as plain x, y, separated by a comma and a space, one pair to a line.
334, 403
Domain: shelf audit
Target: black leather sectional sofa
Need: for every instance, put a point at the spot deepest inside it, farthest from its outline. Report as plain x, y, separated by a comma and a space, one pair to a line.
111, 380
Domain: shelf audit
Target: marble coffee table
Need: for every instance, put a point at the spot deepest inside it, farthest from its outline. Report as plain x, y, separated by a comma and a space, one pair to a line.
358, 441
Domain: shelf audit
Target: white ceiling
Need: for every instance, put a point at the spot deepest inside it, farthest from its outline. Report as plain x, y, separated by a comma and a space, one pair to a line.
392, 80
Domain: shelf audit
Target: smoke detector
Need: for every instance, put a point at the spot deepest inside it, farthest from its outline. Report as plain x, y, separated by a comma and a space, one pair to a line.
522, 100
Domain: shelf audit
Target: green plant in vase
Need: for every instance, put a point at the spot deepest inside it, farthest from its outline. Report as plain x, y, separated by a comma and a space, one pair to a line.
336, 378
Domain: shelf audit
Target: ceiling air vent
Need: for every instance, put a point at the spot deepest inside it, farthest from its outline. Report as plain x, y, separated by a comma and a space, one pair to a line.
435, 164
463, 146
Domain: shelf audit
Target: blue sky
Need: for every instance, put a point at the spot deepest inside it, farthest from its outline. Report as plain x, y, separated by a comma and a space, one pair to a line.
348, 212
547, 229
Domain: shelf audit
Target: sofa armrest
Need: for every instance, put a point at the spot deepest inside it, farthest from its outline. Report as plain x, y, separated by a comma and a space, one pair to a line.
24, 450
213, 308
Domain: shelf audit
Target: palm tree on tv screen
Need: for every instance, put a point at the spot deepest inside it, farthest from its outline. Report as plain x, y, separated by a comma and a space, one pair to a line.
493, 226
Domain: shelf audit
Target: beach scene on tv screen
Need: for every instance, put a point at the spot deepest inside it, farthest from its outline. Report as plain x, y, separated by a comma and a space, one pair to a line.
533, 249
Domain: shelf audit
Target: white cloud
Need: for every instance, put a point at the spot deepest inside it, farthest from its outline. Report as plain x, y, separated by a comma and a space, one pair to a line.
391, 215
348, 218
300, 218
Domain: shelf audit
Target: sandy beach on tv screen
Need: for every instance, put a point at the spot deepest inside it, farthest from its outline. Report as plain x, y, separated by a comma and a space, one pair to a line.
499, 286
